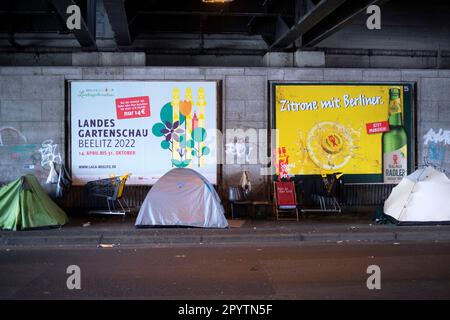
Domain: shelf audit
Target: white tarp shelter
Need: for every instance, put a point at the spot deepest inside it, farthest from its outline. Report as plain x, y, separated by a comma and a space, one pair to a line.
421, 197
182, 197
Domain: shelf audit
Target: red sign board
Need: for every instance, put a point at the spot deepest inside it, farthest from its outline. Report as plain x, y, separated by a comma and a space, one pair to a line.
377, 127
134, 107
285, 193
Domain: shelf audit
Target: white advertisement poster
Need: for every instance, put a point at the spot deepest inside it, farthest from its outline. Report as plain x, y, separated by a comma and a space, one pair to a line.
142, 128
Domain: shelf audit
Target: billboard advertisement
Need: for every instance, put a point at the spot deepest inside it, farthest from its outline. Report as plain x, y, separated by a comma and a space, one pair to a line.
144, 128
361, 130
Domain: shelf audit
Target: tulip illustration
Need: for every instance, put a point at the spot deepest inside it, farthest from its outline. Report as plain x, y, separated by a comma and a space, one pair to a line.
185, 107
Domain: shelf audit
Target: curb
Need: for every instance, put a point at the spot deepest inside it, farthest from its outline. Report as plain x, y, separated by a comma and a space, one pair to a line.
11, 240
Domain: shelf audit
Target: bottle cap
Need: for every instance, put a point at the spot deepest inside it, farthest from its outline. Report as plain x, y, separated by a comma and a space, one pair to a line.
394, 92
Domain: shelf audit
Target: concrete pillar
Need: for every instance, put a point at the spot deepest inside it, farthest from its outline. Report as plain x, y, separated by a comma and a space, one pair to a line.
278, 59
309, 59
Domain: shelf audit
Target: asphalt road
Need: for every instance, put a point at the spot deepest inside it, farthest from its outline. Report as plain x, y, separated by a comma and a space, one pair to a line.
337, 271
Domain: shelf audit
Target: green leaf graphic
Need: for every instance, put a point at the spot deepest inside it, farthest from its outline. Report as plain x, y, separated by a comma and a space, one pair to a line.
156, 129
191, 144
199, 134
165, 144
166, 113
205, 151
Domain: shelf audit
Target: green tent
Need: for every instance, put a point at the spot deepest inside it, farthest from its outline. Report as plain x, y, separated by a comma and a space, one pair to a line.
24, 204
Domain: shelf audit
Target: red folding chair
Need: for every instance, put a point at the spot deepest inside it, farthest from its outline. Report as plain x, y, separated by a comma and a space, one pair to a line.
285, 201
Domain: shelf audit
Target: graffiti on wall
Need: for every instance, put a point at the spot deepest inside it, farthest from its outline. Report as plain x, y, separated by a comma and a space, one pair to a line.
440, 136
11, 136
436, 144
18, 156
49, 153
23, 154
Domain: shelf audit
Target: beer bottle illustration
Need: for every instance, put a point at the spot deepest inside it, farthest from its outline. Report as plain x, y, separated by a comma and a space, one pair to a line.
395, 141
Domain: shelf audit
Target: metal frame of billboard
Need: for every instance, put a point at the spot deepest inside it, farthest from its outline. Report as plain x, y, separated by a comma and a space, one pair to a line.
67, 118
409, 110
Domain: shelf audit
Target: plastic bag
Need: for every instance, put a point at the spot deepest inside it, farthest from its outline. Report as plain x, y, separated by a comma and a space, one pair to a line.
52, 175
64, 182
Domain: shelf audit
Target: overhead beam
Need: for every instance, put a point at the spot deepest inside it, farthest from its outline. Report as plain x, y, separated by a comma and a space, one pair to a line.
286, 37
209, 13
84, 35
115, 9
342, 17
27, 12
237, 6
91, 16
236, 25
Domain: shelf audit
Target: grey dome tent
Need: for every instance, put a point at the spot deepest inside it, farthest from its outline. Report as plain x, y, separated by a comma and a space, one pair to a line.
182, 197
422, 197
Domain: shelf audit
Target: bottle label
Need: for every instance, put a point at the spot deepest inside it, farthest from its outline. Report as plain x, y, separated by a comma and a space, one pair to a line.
395, 106
395, 165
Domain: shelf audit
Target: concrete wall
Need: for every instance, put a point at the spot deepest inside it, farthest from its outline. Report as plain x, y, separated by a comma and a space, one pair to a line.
32, 102
333, 58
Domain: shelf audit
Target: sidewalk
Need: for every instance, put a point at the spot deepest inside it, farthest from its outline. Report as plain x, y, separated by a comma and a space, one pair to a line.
113, 231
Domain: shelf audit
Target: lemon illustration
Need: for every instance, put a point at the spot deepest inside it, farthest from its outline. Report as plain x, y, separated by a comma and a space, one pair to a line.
331, 141
329, 145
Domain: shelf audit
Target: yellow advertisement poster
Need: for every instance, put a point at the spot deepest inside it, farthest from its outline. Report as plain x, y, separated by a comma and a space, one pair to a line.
341, 128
